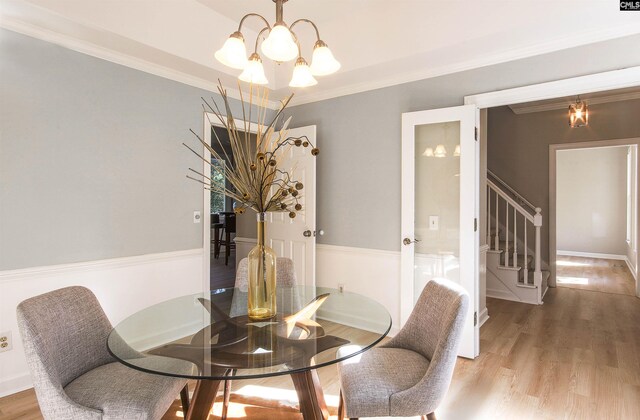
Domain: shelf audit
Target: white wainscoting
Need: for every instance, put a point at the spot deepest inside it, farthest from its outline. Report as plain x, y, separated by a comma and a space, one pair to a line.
369, 272
122, 285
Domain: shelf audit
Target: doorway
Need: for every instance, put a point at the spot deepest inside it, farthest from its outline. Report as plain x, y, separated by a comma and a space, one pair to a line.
593, 207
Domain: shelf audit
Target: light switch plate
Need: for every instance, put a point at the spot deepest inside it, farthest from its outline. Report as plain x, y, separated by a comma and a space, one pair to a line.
196, 217
434, 223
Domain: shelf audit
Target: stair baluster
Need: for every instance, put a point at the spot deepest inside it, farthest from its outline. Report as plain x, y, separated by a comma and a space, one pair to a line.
526, 253
506, 230
515, 237
496, 242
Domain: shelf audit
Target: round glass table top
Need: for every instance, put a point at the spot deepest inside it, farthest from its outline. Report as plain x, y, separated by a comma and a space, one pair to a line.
206, 336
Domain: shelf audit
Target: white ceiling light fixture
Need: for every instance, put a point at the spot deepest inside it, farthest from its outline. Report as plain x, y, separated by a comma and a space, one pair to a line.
280, 45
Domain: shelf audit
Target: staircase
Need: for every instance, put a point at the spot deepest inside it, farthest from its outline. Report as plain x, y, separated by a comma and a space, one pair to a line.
514, 265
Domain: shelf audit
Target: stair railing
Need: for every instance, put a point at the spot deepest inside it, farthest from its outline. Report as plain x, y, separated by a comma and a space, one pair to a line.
508, 211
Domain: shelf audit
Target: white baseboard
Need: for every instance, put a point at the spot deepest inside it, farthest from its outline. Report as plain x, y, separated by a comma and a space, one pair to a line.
591, 255
122, 285
484, 316
631, 268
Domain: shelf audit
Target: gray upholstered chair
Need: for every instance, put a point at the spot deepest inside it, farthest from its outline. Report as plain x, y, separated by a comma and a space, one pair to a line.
410, 374
285, 277
65, 340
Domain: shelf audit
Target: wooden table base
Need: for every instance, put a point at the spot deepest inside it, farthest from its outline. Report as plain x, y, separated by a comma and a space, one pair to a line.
307, 384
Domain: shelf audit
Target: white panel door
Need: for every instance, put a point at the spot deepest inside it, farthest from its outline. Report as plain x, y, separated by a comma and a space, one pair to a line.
295, 238
440, 187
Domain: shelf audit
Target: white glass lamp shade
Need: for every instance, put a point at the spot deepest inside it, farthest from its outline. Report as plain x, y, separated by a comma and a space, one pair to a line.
440, 151
302, 76
233, 53
323, 62
279, 45
254, 71
428, 152
456, 152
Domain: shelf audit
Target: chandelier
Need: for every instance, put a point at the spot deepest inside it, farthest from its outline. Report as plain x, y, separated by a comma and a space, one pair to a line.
578, 114
280, 45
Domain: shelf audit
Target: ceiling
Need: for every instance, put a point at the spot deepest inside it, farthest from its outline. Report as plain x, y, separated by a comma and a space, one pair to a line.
379, 42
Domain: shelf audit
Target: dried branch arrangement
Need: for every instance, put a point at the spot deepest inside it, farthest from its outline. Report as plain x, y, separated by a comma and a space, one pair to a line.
257, 181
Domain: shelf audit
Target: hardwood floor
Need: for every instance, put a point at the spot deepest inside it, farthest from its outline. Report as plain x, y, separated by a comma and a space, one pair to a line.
607, 276
575, 357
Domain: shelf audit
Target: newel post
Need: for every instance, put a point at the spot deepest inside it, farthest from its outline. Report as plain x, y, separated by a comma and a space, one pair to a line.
537, 274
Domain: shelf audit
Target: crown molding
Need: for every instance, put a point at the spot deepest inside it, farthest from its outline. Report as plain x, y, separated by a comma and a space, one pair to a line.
579, 39
89, 48
562, 104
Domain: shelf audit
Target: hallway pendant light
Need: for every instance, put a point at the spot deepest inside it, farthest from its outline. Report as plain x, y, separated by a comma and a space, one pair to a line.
456, 152
254, 71
578, 114
302, 76
440, 151
281, 45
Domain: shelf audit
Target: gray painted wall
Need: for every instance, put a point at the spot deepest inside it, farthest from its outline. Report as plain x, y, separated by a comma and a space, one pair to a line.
591, 203
91, 162
518, 146
359, 135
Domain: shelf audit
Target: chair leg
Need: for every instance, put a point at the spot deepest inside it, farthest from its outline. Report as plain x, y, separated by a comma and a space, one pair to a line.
184, 399
430, 416
227, 394
227, 248
341, 408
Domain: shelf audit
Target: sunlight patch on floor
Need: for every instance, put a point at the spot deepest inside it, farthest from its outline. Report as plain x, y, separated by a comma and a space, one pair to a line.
572, 280
567, 263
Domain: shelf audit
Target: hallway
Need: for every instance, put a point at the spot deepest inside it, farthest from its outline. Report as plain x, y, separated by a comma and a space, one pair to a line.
595, 274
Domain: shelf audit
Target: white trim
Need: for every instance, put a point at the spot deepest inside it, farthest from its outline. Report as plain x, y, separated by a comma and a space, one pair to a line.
630, 266
427, 72
483, 317
562, 104
553, 149
8, 276
16, 383
591, 255
598, 82
117, 57
350, 249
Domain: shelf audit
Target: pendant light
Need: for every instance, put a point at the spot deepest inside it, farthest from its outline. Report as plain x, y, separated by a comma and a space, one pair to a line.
280, 45
578, 114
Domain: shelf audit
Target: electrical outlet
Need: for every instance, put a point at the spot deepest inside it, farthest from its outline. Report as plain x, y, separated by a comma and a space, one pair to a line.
341, 288
6, 343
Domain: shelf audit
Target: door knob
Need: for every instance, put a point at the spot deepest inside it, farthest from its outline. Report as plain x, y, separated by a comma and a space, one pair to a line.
408, 241
307, 233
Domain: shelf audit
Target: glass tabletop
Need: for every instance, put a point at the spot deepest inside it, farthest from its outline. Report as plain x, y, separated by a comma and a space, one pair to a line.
209, 336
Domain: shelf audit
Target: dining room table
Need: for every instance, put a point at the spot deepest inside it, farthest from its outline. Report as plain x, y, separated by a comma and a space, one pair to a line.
208, 337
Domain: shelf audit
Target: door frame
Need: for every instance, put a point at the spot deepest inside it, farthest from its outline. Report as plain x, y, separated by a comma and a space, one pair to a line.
573, 86
553, 150
210, 121
469, 212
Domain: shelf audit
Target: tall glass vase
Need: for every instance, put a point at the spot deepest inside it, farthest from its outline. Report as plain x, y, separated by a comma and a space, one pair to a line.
262, 277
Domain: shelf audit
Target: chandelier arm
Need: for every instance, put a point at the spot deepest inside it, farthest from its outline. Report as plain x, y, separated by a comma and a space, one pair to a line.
266, 22
266, 28
308, 21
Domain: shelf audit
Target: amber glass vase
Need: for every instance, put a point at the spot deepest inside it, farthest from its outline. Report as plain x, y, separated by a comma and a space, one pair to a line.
262, 277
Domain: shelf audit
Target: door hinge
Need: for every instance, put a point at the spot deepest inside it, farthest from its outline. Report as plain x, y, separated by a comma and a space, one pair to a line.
475, 319
476, 133
475, 224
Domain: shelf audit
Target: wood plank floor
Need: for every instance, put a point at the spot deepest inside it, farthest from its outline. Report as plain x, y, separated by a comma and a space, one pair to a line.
607, 276
575, 357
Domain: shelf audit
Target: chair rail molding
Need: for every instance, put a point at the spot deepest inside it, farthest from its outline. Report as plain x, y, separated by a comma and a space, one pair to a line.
122, 285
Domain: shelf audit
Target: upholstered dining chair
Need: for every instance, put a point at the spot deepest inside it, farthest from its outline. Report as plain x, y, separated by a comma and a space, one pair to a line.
285, 277
410, 374
65, 339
